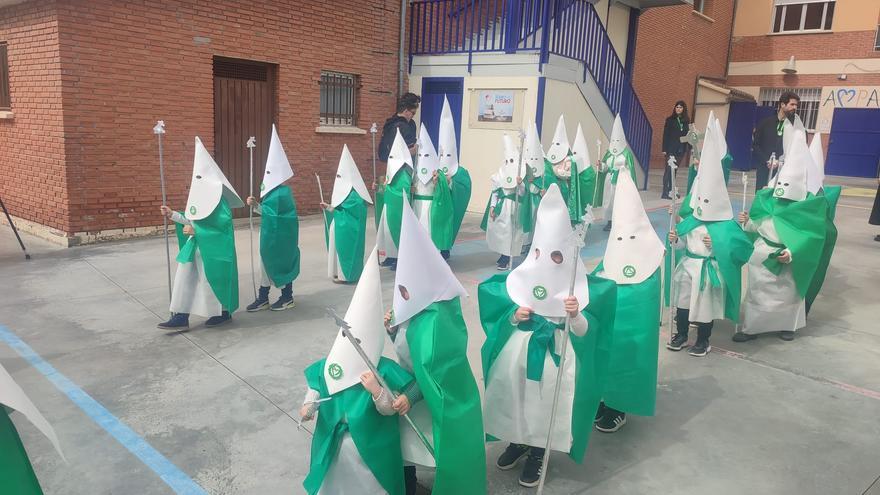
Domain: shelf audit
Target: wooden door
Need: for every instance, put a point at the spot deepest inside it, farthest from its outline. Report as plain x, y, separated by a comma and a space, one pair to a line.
244, 106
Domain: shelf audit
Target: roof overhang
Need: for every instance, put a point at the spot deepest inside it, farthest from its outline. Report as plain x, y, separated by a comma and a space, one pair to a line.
649, 4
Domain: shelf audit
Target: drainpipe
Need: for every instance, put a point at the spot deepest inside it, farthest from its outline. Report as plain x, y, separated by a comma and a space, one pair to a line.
401, 52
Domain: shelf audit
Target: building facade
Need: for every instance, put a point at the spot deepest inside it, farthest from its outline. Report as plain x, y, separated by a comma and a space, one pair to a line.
679, 47
83, 83
828, 52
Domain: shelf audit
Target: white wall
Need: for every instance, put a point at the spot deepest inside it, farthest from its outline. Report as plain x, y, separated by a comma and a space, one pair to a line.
560, 98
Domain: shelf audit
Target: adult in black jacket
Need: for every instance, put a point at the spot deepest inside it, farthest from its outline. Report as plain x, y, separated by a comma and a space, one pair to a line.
768, 137
407, 106
675, 128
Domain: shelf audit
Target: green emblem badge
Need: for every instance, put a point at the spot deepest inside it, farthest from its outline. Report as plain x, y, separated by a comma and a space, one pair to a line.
445, 170
700, 210
780, 191
263, 186
509, 180
335, 371
629, 271
539, 292
192, 210
424, 170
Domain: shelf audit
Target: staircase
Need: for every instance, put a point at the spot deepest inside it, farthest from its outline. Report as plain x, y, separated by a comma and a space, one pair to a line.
573, 31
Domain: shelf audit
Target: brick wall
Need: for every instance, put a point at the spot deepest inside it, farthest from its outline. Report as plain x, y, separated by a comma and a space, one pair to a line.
674, 46
127, 64
32, 172
817, 46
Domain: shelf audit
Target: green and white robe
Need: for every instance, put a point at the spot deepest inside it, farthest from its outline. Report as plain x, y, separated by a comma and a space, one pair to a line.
461, 198
279, 238
612, 168
388, 233
206, 281
521, 363
500, 229
775, 298
345, 233
356, 446
433, 206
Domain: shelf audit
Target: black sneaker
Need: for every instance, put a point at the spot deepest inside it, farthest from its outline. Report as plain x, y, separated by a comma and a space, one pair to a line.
600, 412
531, 473
511, 456
679, 341
611, 422
177, 320
743, 337
700, 349
216, 321
502, 263
283, 303
607, 227
388, 262
786, 335
445, 254
261, 302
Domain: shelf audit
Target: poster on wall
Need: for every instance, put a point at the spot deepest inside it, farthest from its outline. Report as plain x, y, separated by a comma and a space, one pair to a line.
493, 108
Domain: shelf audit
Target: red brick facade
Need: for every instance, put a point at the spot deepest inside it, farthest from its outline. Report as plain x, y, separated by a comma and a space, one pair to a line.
90, 79
813, 46
674, 46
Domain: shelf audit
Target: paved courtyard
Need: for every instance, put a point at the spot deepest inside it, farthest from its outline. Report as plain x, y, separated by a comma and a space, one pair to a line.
142, 411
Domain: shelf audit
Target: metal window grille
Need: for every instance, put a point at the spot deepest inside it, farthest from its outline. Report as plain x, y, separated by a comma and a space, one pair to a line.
240, 69
339, 98
802, 15
5, 103
877, 39
809, 105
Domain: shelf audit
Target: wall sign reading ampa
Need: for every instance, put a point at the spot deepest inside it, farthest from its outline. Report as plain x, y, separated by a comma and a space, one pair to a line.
845, 97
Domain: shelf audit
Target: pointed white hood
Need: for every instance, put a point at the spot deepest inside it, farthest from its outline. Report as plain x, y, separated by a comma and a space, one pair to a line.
816, 173
447, 148
348, 177
722, 139
617, 141
13, 397
559, 147
541, 282
277, 166
709, 197
702, 142
208, 186
581, 151
423, 276
534, 152
792, 181
365, 314
398, 157
634, 252
508, 172
427, 161
788, 130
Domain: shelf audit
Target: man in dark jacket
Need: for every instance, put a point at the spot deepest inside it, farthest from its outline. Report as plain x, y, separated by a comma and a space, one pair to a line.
407, 106
768, 137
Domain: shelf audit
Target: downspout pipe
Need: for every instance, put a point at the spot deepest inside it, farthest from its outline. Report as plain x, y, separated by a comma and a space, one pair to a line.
401, 52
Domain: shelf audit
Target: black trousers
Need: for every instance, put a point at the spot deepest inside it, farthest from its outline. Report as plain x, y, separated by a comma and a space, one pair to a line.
704, 330
762, 175
667, 175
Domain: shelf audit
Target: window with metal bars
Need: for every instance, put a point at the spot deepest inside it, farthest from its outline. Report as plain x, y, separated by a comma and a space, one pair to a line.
877, 39
5, 103
802, 15
808, 108
700, 6
339, 98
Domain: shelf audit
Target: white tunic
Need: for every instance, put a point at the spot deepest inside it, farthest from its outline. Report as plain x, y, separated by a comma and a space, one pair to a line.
192, 294
348, 474
265, 281
422, 207
772, 302
384, 240
411, 446
705, 305
334, 268
518, 409
499, 230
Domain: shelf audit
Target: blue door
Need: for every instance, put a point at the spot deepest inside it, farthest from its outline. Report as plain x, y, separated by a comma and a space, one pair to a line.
433, 90
740, 127
854, 146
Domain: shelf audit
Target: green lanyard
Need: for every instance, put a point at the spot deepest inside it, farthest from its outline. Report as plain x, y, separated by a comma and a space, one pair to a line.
680, 124
779, 127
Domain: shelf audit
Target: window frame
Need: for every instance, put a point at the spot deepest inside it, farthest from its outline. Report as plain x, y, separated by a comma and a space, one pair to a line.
780, 9
877, 39
700, 6
5, 92
333, 117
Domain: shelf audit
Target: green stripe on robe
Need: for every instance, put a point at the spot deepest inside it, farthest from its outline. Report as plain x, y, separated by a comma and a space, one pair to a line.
279, 236
461, 197
393, 200
349, 221
442, 214
831, 194
16, 473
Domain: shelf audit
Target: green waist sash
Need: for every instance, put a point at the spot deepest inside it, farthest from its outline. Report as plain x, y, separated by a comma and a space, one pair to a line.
707, 271
423, 197
772, 262
542, 341
499, 205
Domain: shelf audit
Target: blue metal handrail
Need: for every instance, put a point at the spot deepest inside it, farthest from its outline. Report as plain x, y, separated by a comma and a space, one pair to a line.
574, 31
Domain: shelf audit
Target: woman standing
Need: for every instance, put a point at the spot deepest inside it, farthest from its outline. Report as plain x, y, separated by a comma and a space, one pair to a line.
875, 212
675, 128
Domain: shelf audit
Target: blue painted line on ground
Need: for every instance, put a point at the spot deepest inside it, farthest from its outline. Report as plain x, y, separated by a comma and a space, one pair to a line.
176, 479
